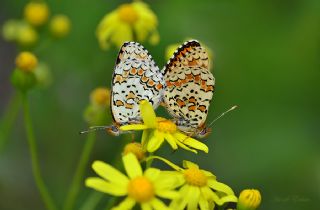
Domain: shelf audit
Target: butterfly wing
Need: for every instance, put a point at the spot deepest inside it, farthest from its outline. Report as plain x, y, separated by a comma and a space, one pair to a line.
189, 85
136, 77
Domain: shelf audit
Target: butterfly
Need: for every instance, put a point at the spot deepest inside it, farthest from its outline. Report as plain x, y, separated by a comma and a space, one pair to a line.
135, 77
189, 88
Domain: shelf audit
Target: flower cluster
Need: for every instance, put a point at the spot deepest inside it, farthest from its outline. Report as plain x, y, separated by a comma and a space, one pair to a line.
186, 187
133, 21
26, 34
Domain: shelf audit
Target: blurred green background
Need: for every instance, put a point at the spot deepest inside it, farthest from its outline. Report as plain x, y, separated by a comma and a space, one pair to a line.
267, 61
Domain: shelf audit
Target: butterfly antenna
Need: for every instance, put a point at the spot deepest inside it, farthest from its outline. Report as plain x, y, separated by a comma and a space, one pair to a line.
95, 128
221, 115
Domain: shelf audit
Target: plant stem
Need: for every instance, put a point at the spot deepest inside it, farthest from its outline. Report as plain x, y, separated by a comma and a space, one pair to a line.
8, 119
34, 157
149, 162
92, 201
78, 177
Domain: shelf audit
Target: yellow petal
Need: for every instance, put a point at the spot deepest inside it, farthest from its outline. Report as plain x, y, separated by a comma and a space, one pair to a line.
189, 164
148, 115
132, 165
168, 180
171, 140
146, 206
203, 203
145, 138
218, 186
180, 202
185, 147
109, 173
168, 194
193, 198
133, 127
128, 203
158, 204
191, 142
152, 173
155, 142
105, 187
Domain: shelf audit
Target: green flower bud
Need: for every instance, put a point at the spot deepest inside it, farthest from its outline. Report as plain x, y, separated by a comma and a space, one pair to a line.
23, 80
43, 75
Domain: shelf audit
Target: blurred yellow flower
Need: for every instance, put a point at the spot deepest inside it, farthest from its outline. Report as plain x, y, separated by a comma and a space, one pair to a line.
60, 25
26, 35
10, 30
26, 61
100, 96
249, 199
138, 187
129, 22
157, 129
43, 75
198, 187
136, 149
19, 31
36, 13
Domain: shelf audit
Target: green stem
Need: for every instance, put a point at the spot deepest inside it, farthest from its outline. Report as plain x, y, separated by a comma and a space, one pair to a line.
92, 201
111, 202
149, 162
77, 180
8, 119
34, 157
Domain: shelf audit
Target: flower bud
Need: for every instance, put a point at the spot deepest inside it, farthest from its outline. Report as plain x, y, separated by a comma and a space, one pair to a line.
249, 199
100, 96
10, 30
136, 149
23, 80
60, 26
43, 75
26, 61
36, 13
26, 35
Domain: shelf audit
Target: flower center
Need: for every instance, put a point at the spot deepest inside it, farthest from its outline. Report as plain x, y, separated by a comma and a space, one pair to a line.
128, 14
141, 189
195, 177
165, 125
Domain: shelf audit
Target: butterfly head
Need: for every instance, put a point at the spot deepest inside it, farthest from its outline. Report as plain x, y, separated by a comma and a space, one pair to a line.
113, 130
203, 132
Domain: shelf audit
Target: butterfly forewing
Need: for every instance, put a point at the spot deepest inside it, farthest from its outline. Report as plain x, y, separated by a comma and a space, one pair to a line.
189, 85
136, 77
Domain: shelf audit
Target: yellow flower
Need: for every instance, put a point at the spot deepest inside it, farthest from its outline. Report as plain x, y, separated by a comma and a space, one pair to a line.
100, 96
36, 13
136, 149
139, 187
129, 22
249, 199
198, 187
60, 25
26, 61
157, 129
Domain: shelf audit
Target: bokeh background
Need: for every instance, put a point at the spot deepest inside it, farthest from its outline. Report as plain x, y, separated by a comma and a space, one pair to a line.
267, 61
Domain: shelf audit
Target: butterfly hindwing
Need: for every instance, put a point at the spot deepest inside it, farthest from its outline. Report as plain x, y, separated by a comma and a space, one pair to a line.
136, 77
189, 85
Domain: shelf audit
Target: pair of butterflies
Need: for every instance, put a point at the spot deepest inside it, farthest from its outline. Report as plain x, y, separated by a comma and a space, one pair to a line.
185, 86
